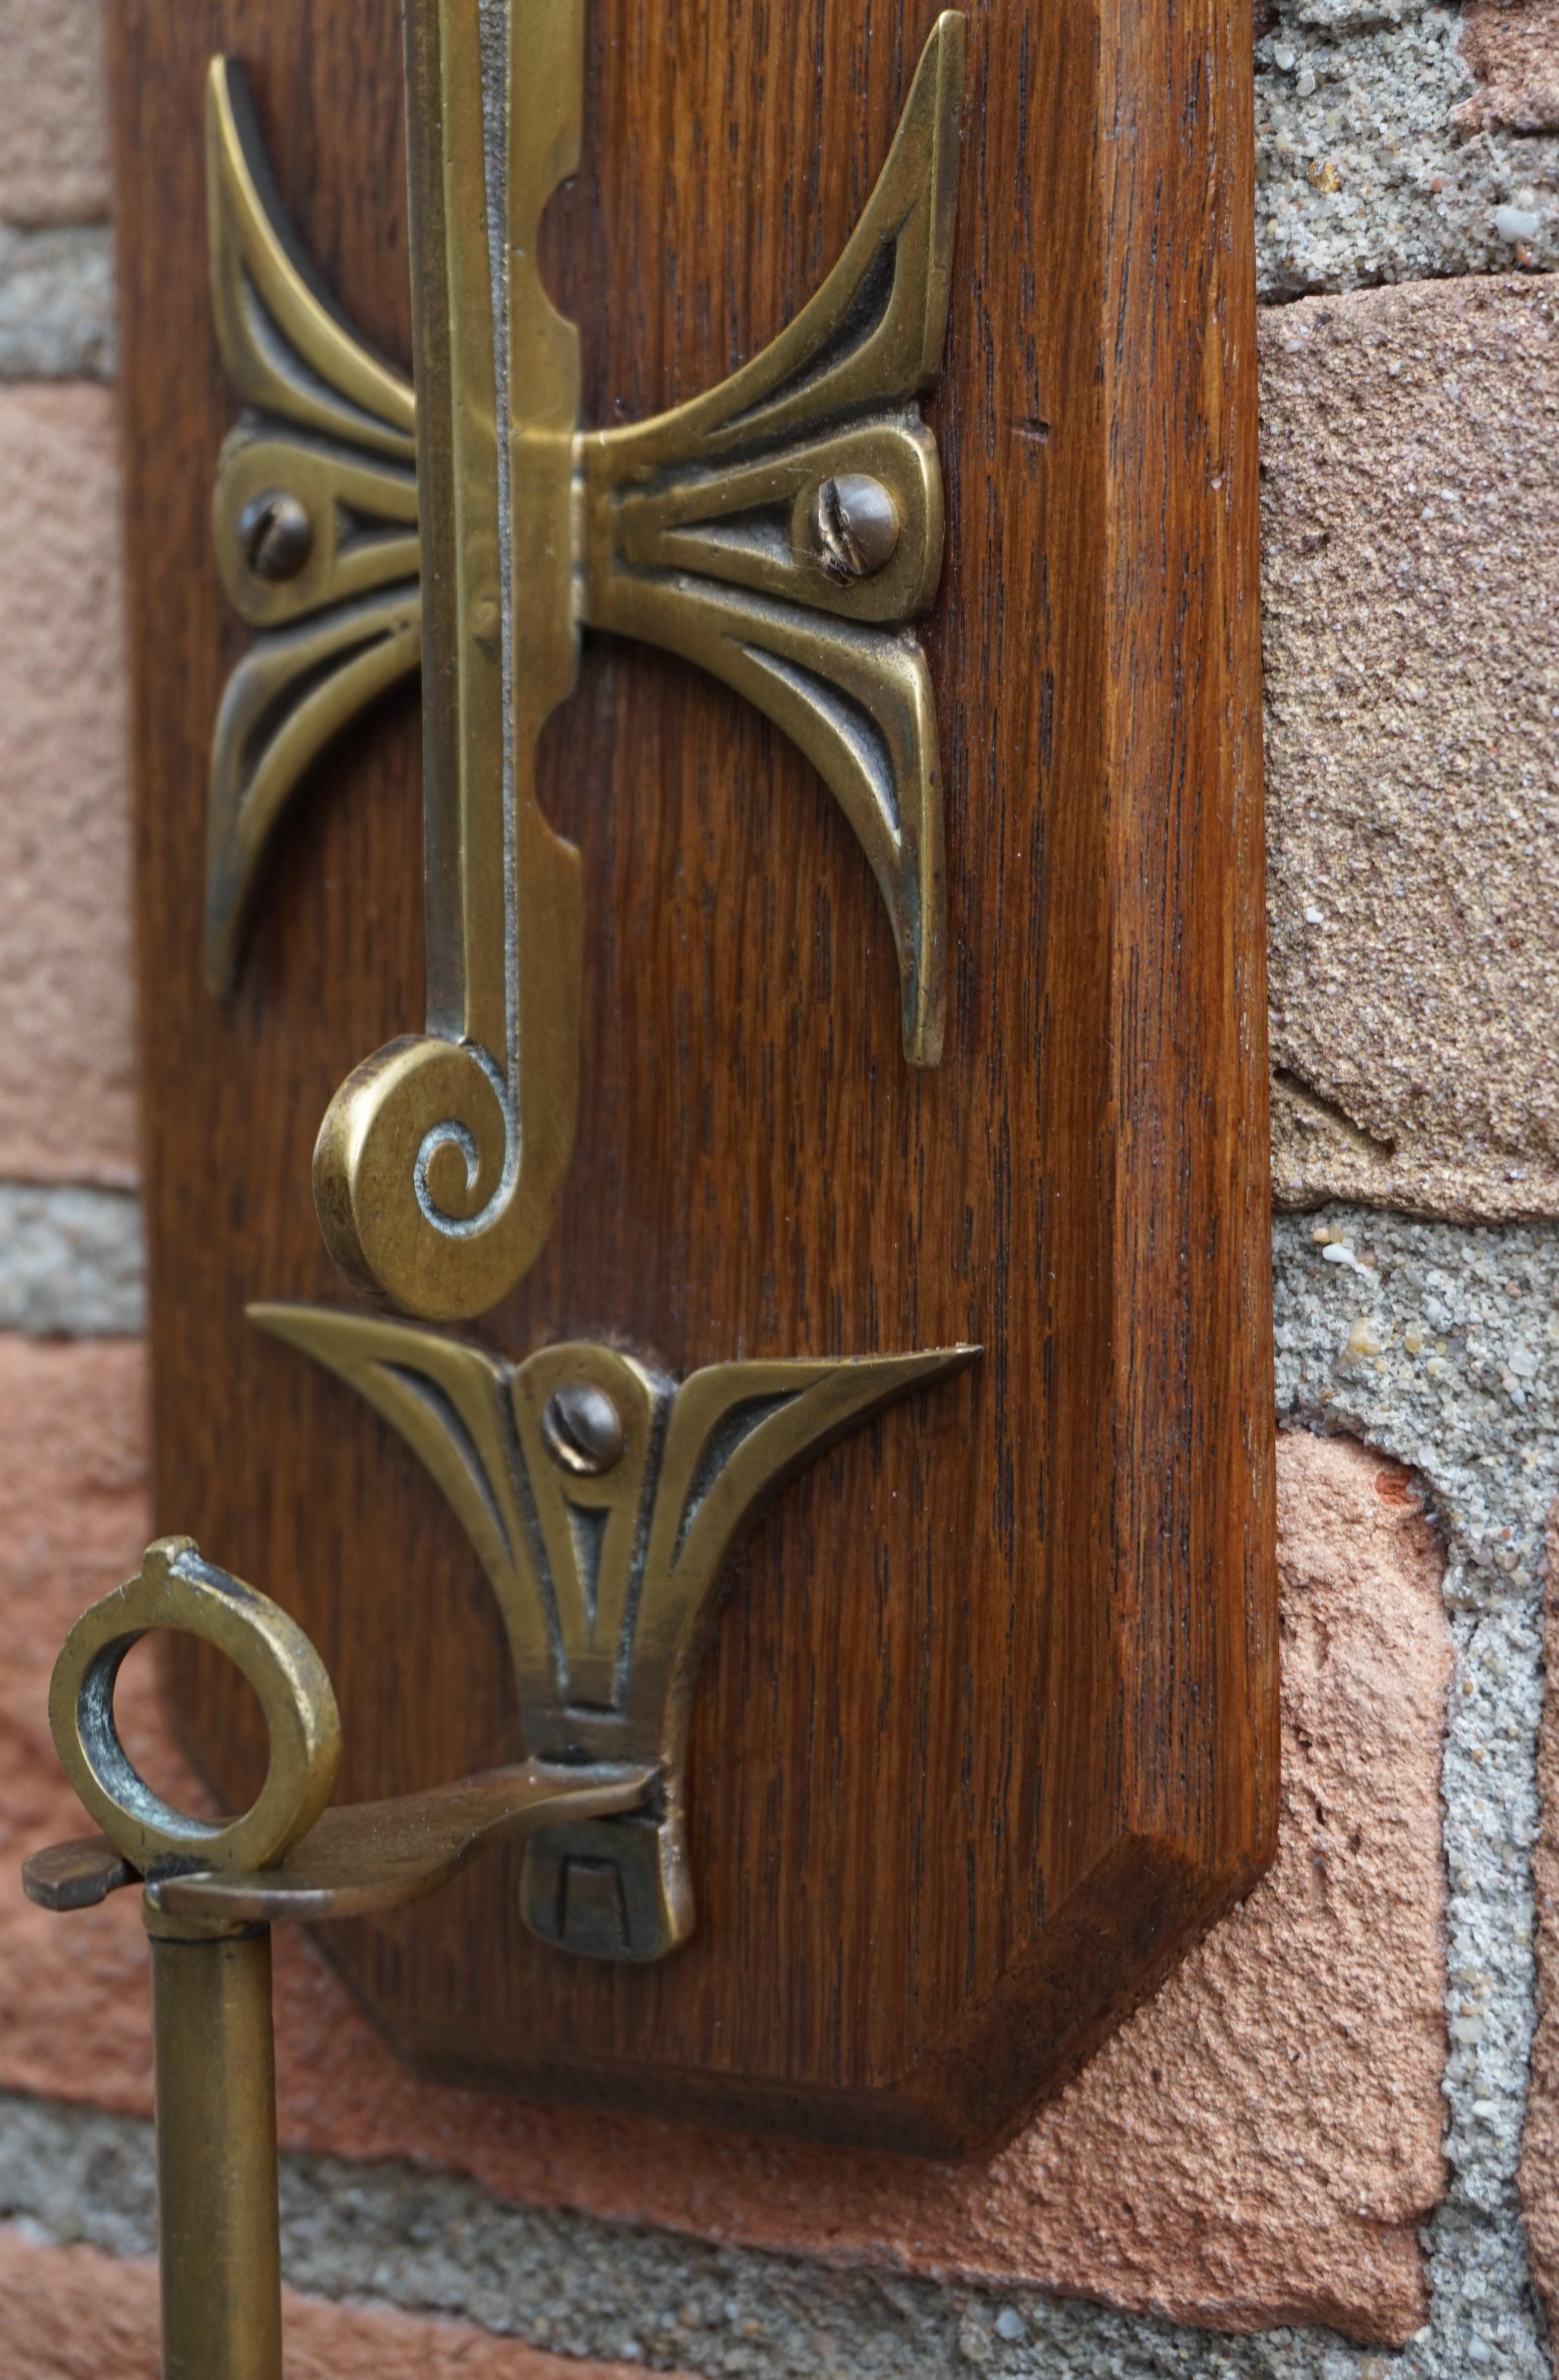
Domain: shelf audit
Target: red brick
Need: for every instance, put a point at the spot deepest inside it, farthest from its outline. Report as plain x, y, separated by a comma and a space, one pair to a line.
1233, 2157
1513, 48
66, 1073
71, 2314
53, 128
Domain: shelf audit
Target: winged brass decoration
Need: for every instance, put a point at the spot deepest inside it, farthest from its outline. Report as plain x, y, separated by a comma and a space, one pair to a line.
783, 531
602, 1501
315, 518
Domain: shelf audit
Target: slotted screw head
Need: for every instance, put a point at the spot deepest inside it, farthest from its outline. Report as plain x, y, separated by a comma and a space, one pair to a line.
858, 526
276, 534
582, 1429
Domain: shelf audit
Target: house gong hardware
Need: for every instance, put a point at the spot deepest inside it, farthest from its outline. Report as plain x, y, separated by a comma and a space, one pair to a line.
781, 531
603, 1503
916, 679
212, 1892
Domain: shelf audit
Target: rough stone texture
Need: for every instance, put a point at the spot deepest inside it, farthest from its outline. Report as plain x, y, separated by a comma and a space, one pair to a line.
1441, 1346
1438, 1345
74, 2313
1410, 460
634, 2295
67, 1075
1230, 2157
72, 1263
1539, 2146
56, 304
1512, 46
53, 119
1367, 171
72, 1525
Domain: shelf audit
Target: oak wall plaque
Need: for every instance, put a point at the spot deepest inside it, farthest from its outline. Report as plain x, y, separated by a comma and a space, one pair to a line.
901, 1020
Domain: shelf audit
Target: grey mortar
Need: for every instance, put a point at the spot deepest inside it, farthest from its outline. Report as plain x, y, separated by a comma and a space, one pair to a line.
1364, 86
1439, 1345
1368, 90
71, 1263
1407, 1336
56, 303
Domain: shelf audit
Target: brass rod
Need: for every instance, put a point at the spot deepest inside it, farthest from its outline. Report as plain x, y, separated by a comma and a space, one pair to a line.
218, 2233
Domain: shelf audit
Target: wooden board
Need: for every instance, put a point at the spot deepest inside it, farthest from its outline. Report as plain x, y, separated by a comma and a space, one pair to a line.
989, 1733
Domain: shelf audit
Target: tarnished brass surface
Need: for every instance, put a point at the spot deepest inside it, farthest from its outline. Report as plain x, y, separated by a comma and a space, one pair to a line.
292, 693
288, 1856
708, 529
441, 1160
338, 495
781, 531
174, 1588
605, 1576
215, 2065
210, 1893
218, 2234
376, 1855
331, 427
76, 1875
272, 314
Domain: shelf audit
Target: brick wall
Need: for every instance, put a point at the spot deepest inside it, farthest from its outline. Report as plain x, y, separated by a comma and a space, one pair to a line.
1305, 2157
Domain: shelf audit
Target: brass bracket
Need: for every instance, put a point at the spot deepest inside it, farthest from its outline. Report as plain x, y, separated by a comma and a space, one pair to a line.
602, 1502
782, 531
289, 1856
212, 1890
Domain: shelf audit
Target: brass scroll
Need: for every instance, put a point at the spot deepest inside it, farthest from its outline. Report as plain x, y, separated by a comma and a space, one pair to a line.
782, 531
441, 1159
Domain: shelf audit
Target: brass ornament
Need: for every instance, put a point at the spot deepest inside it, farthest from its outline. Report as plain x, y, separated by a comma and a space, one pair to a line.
782, 531
605, 1570
212, 1892
331, 432
289, 1856
175, 1589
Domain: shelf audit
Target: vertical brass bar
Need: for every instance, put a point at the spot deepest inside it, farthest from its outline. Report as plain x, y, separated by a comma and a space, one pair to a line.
218, 2234
442, 1158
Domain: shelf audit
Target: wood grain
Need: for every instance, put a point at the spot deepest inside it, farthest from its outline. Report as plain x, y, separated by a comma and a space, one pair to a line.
990, 1730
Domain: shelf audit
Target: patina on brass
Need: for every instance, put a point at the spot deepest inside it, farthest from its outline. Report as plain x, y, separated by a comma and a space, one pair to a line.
604, 1549
174, 1588
215, 2099
781, 531
441, 1160
330, 431
211, 1893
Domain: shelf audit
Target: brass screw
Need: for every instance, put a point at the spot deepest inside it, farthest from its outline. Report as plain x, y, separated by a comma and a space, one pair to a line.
858, 526
276, 534
582, 1429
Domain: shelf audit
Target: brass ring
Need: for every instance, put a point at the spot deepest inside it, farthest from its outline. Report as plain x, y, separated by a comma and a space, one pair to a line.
174, 1588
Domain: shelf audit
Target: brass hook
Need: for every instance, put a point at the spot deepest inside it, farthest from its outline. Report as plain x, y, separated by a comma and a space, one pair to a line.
211, 1894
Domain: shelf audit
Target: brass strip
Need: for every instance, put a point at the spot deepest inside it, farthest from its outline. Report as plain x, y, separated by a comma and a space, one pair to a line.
375, 1855
218, 2234
441, 1159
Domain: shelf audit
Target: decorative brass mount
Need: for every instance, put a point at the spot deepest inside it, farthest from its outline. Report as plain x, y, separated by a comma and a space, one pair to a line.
781, 531
603, 1502
212, 1892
